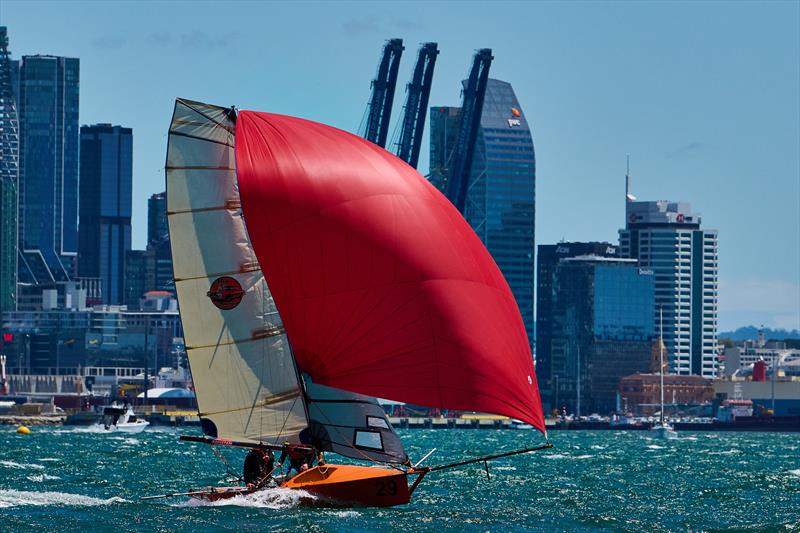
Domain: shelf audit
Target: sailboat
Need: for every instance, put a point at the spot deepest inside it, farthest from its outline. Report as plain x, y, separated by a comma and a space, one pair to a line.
316, 271
662, 429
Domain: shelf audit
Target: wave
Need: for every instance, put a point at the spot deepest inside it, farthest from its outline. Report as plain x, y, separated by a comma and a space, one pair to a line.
275, 498
42, 477
16, 498
26, 466
564, 456
795, 472
655, 447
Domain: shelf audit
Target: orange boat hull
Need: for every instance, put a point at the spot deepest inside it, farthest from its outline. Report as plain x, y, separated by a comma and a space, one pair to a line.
355, 485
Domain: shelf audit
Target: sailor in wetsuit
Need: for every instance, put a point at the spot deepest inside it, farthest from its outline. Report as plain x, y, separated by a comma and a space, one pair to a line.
300, 459
258, 466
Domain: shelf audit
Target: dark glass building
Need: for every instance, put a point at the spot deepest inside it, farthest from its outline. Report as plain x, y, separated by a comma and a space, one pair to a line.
602, 330
48, 171
157, 229
105, 207
547, 258
501, 192
9, 173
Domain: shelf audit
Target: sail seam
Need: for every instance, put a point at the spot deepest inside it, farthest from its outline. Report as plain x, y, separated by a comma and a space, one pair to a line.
264, 403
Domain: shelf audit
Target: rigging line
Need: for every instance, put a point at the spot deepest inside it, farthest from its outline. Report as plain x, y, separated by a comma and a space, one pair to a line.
489, 457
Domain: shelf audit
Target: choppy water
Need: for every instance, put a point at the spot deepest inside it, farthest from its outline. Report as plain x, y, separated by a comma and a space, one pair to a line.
60, 479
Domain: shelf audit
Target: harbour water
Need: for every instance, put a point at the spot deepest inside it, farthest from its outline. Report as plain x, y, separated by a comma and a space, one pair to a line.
59, 479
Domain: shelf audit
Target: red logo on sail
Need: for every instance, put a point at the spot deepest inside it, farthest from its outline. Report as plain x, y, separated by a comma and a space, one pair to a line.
225, 293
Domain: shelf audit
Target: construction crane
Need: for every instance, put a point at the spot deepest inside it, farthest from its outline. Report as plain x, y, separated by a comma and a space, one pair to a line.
418, 92
471, 110
379, 110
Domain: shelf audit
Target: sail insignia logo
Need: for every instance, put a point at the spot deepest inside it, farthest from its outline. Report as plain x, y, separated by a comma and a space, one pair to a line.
225, 293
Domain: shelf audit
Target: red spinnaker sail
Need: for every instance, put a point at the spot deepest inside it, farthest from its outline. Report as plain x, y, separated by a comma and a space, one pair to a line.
383, 287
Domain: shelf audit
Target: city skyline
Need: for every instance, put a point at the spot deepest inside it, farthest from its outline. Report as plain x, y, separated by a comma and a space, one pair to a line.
705, 128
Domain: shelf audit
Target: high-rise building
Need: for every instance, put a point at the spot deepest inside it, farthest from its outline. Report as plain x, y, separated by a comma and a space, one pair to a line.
9, 173
602, 329
547, 258
666, 238
105, 207
501, 191
135, 277
157, 229
48, 168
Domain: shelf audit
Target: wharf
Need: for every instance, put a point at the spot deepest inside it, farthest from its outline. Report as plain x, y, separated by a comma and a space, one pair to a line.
32, 420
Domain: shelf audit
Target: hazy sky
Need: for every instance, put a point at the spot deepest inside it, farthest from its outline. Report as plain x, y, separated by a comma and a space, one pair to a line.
704, 96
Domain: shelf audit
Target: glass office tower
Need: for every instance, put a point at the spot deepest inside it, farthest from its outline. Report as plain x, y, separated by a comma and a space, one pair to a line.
547, 259
105, 207
48, 173
602, 330
666, 237
9, 172
501, 192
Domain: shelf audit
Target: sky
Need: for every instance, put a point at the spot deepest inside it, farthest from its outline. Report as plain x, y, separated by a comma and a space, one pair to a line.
705, 96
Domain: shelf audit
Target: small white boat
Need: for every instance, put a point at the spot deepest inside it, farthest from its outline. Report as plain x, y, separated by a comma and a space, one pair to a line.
122, 418
663, 431
518, 424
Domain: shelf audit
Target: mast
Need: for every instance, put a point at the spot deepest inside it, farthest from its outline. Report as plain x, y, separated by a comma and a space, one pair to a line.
661, 356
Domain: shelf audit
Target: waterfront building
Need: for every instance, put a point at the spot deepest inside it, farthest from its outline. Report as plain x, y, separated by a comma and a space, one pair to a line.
601, 330
640, 393
666, 238
500, 203
48, 168
105, 206
9, 173
135, 277
53, 341
547, 258
157, 229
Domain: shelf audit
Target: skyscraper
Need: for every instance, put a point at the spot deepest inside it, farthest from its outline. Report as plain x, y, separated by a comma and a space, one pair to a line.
105, 206
602, 329
157, 229
666, 238
9, 172
501, 191
547, 260
48, 171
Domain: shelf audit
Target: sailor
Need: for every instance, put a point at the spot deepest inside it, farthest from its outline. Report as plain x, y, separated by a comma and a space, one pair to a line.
258, 466
300, 459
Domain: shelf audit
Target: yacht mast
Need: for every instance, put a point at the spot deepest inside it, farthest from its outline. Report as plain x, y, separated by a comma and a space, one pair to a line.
661, 356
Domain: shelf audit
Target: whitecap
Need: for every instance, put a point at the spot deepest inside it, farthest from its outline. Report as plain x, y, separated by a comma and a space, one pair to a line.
655, 447
49, 459
12, 464
16, 498
795, 472
42, 477
564, 456
275, 498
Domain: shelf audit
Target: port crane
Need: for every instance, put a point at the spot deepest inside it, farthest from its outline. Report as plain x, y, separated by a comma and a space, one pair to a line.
418, 92
379, 111
471, 110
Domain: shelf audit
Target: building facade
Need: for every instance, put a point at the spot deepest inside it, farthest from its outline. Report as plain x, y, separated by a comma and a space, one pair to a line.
640, 394
601, 330
105, 207
48, 168
666, 237
501, 195
9, 173
157, 229
547, 258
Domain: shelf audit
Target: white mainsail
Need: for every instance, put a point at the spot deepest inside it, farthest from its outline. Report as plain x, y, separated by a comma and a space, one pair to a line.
244, 375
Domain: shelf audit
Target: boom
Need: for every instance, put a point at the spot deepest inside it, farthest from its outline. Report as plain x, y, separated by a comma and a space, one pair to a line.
418, 92
471, 110
379, 110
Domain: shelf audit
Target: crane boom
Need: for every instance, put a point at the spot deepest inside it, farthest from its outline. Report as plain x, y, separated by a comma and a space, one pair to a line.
418, 92
383, 86
471, 110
